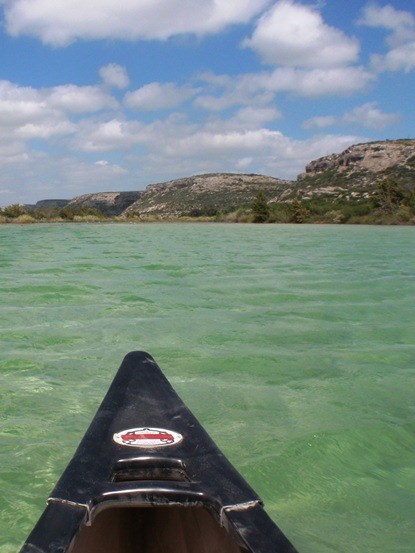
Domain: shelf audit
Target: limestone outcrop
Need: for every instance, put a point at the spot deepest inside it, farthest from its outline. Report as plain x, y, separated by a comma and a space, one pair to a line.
373, 157
110, 204
205, 194
356, 172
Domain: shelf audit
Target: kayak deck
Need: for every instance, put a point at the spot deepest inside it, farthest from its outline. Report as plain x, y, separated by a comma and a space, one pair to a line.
148, 478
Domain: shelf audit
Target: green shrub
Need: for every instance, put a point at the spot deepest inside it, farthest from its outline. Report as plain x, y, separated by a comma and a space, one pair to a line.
299, 211
260, 209
75, 213
24, 219
405, 214
13, 211
389, 195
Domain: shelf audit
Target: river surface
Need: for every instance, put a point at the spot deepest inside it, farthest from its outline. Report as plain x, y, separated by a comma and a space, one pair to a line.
293, 345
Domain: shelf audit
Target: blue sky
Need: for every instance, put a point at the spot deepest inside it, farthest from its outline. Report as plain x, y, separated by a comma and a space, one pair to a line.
99, 95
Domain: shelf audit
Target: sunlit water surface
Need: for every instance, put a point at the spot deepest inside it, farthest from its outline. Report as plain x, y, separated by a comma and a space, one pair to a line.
293, 345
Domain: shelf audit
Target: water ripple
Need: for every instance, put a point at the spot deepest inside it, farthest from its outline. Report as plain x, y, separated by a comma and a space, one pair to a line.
292, 344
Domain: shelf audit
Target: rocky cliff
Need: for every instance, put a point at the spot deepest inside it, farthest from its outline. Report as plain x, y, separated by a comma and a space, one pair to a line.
372, 157
110, 204
205, 194
352, 175
356, 172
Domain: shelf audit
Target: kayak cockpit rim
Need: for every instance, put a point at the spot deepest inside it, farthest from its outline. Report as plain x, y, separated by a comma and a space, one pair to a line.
126, 529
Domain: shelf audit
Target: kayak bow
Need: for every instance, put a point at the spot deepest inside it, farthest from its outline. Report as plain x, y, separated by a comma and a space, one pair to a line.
148, 478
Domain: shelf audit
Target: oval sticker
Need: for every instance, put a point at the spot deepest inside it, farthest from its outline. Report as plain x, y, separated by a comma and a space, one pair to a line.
147, 437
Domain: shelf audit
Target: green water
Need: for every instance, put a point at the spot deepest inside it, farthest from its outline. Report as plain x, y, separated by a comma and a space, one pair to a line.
293, 345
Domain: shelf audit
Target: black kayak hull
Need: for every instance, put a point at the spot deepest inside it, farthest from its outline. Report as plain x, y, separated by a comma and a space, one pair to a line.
147, 477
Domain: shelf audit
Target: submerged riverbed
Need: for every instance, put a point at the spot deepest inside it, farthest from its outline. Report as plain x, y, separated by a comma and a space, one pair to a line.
294, 345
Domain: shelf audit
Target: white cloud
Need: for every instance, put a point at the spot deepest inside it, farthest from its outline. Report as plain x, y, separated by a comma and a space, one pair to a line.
402, 23
320, 122
258, 90
44, 130
172, 147
368, 115
155, 96
114, 75
223, 144
220, 92
90, 125
118, 134
112, 135
19, 105
273, 145
303, 151
110, 168
260, 151
60, 22
79, 177
27, 113
12, 152
252, 117
235, 94
294, 34
401, 39
25, 176
244, 163
217, 102
400, 58
317, 82
154, 151
79, 99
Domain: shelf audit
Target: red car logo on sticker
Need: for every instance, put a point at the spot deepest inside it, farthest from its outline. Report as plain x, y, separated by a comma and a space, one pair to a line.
147, 437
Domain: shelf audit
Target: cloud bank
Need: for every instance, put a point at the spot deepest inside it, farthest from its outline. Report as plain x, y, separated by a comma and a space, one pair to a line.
60, 22
122, 131
401, 38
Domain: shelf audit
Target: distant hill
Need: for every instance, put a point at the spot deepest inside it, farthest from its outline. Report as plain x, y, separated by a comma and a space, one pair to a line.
351, 176
48, 204
205, 194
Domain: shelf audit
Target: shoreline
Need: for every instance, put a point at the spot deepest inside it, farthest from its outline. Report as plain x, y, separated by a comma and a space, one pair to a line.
380, 222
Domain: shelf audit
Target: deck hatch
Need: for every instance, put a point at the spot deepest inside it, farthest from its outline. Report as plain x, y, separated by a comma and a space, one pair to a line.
149, 468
